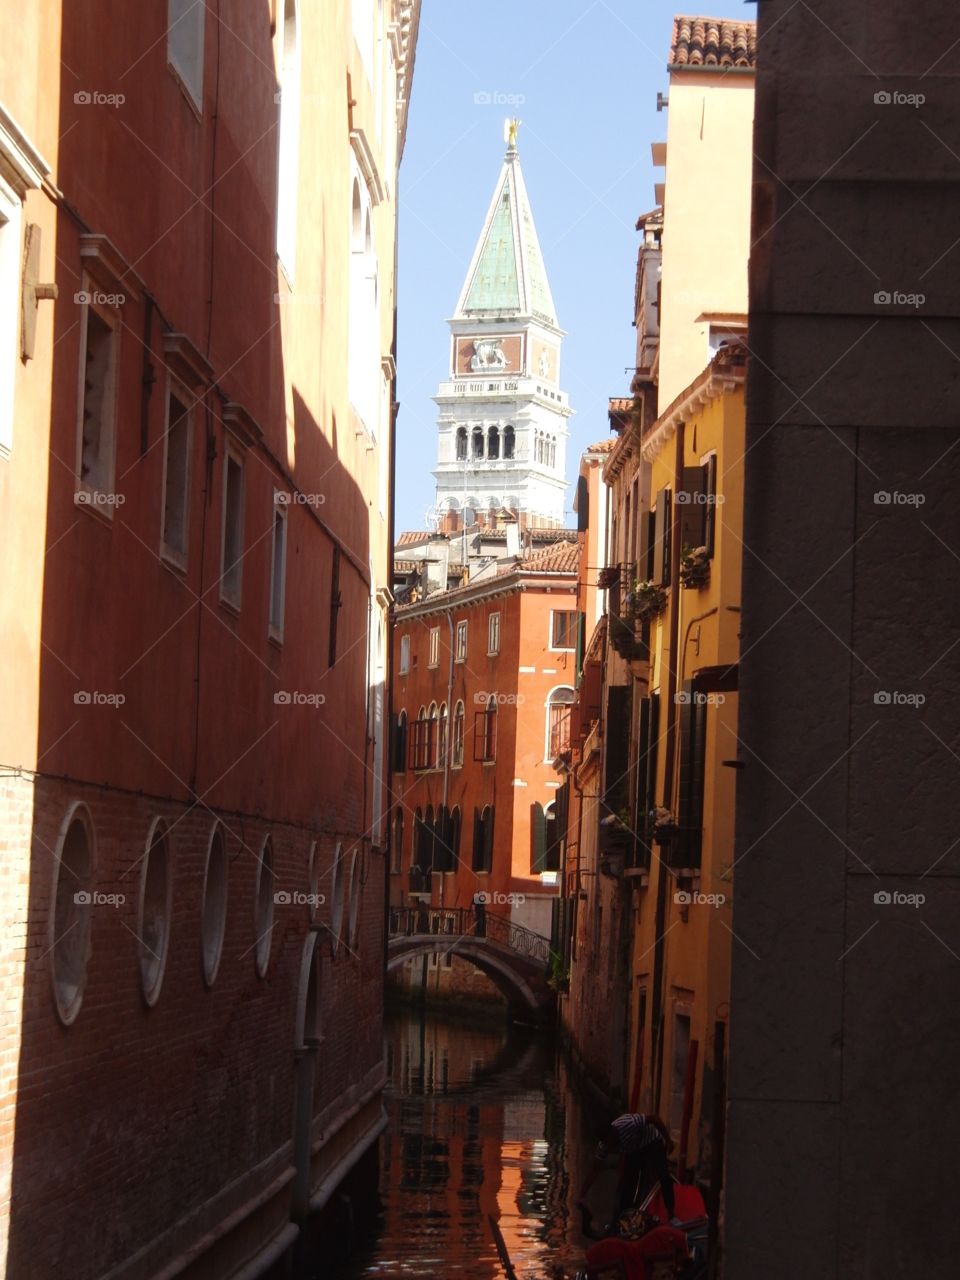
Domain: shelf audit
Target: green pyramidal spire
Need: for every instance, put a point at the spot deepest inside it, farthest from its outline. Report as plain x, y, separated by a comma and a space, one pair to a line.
506, 274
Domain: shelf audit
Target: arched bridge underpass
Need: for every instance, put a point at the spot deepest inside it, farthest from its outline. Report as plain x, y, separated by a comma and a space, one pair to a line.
516, 959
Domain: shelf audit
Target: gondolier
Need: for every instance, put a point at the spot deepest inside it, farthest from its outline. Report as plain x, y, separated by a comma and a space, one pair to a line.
642, 1141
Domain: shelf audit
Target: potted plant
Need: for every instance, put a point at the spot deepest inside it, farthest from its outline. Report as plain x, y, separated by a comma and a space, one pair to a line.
608, 576
664, 825
647, 600
694, 568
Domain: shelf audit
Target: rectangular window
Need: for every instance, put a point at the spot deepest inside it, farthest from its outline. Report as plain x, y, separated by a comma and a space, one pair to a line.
563, 629
485, 734
404, 655
434, 660
400, 743
278, 569
493, 633
461, 650
185, 45
457, 752
483, 842
96, 426
175, 531
231, 555
422, 751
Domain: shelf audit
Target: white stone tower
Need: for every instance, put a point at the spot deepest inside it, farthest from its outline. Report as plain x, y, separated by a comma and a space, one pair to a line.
503, 418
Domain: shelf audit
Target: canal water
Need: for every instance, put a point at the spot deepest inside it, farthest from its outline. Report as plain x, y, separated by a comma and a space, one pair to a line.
484, 1120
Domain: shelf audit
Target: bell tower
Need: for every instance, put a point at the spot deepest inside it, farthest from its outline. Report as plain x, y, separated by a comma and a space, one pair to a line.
502, 415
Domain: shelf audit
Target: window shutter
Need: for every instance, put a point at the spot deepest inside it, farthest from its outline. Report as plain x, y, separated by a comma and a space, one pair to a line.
582, 504
692, 517
617, 746
581, 641
590, 694
648, 538
661, 540
710, 508
488, 840
693, 717
477, 841
538, 839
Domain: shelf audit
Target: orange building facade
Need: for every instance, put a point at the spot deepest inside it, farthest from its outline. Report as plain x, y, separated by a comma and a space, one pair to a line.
482, 689
194, 497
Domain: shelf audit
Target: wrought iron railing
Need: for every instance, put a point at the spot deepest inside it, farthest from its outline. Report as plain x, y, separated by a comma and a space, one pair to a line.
464, 922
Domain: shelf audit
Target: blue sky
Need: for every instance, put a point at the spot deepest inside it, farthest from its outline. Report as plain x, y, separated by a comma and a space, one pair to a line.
588, 72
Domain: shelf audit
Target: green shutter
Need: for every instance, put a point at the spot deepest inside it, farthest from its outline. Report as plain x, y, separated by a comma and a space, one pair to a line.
693, 513
538, 839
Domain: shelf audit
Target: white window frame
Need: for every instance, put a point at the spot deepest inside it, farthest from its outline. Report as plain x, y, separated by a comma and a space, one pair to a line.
110, 317
280, 516
461, 650
167, 550
459, 715
561, 648
404, 665
11, 233
493, 634
549, 704
231, 452
434, 658
189, 16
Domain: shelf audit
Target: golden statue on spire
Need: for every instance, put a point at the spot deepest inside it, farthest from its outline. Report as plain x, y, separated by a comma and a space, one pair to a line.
510, 128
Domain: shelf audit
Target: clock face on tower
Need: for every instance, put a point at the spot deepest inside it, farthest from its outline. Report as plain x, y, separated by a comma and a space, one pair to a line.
488, 354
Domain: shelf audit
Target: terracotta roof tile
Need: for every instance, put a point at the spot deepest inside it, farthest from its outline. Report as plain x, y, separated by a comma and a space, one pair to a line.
411, 536
713, 42
602, 446
561, 557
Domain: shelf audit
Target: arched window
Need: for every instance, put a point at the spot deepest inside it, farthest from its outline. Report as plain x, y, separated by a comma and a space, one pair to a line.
559, 701
156, 884
396, 848
485, 733
508, 442
69, 934
477, 442
461, 444
442, 734
400, 743
553, 453
433, 715
214, 910
289, 141
456, 746
493, 442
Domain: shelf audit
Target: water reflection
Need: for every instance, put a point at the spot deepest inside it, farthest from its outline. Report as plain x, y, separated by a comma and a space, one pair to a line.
481, 1121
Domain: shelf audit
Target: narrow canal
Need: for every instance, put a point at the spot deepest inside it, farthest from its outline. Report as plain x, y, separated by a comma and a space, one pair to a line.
484, 1119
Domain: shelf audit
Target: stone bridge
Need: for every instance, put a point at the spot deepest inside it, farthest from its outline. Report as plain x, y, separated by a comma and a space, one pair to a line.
516, 959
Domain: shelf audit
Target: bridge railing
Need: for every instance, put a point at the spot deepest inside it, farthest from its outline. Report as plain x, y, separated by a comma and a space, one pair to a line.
464, 922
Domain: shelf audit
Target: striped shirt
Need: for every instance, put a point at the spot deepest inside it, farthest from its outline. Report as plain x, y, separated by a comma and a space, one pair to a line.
633, 1133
